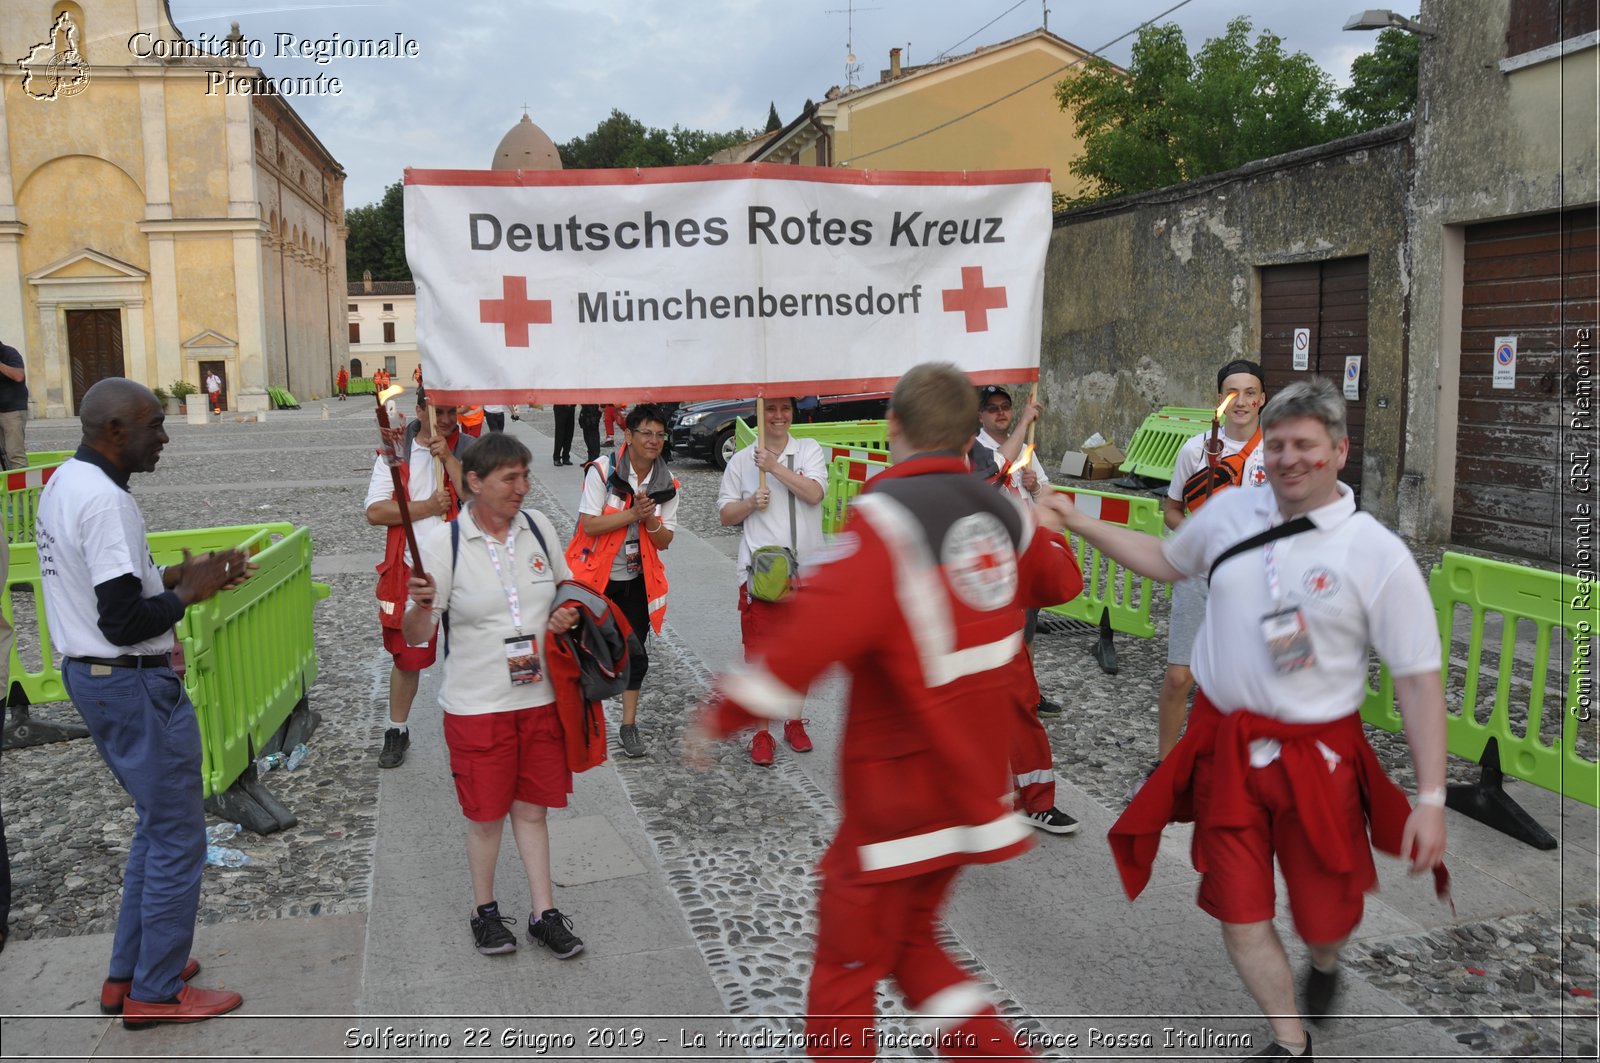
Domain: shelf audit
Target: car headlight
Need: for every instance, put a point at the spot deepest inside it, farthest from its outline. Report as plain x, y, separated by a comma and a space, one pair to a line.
691, 419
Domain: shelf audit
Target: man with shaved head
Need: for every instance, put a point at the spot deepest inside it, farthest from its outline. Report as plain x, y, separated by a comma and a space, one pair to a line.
111, 613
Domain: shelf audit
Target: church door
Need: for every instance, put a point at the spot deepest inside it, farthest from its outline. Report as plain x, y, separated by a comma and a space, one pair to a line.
94, 346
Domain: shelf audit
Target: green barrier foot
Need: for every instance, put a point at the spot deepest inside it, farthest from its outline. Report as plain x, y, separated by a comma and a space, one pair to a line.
300, 725
1105, 651
251, 805
21, 730
1487, 802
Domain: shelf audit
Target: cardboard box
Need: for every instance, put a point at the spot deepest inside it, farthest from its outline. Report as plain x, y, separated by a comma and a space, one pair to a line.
1096, 463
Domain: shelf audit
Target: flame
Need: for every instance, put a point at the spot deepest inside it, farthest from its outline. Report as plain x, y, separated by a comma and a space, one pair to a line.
390, 392
1022, 460
1227, 400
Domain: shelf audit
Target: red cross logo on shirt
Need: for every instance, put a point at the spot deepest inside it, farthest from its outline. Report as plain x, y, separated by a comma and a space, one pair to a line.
514, 310
1321, 583
538, 565
973, 299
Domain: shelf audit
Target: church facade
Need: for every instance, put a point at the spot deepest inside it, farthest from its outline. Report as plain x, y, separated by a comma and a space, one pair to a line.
153, 229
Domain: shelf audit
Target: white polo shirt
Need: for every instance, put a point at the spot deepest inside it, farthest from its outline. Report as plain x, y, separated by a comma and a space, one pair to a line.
597, 496
88, 531
1016, 478
770, 527
419, 487
1353, 580
1192, 455
476, 678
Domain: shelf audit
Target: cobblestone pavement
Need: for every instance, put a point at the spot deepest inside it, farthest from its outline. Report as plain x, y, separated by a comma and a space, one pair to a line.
736, 845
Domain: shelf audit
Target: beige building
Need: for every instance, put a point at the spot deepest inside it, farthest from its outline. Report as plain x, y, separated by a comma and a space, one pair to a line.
993, 108
153, 224
382, 323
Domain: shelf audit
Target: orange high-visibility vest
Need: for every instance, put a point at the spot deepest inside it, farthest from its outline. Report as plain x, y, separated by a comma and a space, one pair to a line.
590, 558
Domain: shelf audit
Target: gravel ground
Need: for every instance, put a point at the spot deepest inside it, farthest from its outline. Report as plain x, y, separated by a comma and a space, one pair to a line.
1504, 987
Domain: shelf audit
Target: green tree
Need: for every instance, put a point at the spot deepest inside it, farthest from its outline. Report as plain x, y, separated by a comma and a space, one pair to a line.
1383, 82
620, 140
377, 238
773, 121
1173, 117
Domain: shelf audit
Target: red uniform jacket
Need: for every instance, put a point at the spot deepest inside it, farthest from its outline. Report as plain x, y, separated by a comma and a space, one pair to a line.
923, 605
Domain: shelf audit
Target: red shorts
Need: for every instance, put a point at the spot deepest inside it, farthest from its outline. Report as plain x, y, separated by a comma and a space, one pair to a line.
410, 658
1236, 884
500, 757
756, 618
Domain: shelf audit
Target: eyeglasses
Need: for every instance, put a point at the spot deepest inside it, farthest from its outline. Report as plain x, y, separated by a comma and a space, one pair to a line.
649, 435
997, 409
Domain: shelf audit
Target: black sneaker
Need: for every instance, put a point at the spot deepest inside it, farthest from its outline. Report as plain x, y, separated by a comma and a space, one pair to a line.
395, 744
1276, 1051
489, 931
1047, 709
1319, 990
553, 931
1053, 821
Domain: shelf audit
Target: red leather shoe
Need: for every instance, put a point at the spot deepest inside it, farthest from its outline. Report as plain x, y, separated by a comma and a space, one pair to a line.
115, 991
794, 733
761, 749
194, 1004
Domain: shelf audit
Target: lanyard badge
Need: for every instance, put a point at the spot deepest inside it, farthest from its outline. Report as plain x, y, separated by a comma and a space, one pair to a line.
522, 653
1284, 629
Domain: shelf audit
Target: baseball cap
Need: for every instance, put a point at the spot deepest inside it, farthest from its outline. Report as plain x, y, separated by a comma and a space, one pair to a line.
990, 391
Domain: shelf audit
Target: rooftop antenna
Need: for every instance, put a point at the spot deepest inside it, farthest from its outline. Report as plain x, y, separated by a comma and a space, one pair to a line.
851, 66
1045, 4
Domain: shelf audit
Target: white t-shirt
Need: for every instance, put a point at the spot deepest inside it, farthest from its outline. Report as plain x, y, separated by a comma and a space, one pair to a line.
770, 527
477, 679
494, 409
419, 488
1192, 455
1016, 478
213, 383
90, 531
1354, 581
596, 497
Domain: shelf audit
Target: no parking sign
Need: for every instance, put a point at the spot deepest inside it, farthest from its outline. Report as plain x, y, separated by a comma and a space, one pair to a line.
1352, 377
1505, 362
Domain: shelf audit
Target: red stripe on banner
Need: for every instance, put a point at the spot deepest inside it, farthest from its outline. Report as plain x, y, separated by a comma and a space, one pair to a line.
673, 175
16, 481
691, 392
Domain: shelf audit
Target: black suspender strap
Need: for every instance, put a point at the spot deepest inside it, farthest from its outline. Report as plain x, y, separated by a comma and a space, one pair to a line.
1282, 531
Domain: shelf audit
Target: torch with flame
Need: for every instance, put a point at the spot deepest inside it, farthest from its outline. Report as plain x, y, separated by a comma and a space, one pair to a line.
390, 452
1214, 444
1022, 460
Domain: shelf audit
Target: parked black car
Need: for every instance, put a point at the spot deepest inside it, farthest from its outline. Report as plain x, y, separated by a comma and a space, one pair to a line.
705, 429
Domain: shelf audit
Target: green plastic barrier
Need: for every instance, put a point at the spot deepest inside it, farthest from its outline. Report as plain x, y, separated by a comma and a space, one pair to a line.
1153, 451
849, 435
1110, 592
1528, 743
250, 654
846, 477
19, 500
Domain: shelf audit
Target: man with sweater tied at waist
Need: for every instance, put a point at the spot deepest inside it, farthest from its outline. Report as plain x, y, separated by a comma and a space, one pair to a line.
921, 598
1274, 761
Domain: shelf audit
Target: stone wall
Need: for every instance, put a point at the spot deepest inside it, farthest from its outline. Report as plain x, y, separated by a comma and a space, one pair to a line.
1147, 296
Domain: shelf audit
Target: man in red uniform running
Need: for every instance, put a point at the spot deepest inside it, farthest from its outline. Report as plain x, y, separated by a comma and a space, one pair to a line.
921, 598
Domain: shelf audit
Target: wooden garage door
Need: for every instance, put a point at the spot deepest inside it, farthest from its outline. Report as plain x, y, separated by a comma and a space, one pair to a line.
1330, 299
1533, 278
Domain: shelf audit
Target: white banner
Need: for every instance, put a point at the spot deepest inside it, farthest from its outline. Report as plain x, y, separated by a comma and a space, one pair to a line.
716, 281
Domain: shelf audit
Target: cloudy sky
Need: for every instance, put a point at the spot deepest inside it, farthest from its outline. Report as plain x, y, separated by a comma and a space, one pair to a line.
706, 64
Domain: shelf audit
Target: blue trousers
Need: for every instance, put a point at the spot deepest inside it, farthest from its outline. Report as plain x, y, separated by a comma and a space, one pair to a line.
144, 725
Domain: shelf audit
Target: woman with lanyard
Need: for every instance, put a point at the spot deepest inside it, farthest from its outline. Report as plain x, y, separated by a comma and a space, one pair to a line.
491, 573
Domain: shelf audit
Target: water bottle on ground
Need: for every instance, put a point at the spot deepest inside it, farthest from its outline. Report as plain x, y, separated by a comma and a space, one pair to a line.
218, 856
270, 761
297, 757
218, 833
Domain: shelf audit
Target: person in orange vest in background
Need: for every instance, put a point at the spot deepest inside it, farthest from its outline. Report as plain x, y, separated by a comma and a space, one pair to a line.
627, 517
470, 418
381, 379
416, 374
341, 383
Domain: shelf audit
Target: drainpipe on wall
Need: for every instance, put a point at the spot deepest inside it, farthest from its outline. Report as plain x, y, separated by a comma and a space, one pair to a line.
824, 145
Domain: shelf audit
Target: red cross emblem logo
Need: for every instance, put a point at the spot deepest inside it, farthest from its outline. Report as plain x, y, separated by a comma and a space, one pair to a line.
514, 310
538, 565
1321, 583
973, 299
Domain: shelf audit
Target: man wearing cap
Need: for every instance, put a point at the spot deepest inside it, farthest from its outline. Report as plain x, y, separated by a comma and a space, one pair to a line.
1195, 479
1274, 765
431, 505
111, 612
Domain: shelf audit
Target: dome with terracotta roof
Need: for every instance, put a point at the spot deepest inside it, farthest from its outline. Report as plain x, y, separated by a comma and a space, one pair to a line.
526, 147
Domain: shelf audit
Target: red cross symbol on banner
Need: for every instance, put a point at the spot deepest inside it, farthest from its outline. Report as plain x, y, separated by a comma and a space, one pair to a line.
973, 299
514, 310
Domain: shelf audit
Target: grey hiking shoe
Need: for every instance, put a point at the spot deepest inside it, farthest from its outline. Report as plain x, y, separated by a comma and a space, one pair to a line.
632, 744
